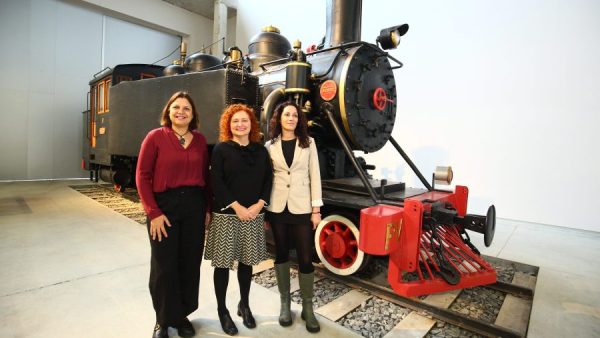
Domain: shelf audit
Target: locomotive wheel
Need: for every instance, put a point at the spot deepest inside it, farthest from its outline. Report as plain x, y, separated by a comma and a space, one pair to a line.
336, 243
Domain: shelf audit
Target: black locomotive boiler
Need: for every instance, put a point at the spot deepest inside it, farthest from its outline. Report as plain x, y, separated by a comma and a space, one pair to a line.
347, 89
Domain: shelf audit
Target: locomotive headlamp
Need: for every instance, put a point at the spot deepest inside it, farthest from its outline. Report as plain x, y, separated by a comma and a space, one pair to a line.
389, 38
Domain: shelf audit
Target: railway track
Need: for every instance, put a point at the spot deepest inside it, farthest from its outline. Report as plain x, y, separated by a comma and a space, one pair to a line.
440, 315
127, 203
365, 303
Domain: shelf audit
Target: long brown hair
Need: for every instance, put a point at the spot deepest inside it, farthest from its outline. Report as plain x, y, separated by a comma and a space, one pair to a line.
164, 116
225, 122
301, 130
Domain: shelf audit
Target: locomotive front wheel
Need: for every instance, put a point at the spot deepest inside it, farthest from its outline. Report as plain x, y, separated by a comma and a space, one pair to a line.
336, 243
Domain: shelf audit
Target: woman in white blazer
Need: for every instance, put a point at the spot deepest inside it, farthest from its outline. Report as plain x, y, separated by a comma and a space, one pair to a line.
294, 209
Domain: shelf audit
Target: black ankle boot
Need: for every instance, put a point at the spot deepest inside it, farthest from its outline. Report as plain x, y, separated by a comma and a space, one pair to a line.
227, 324
246, 314
160, 331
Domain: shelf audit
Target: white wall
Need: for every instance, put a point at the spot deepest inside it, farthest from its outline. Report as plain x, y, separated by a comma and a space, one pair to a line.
304, 21
505, 92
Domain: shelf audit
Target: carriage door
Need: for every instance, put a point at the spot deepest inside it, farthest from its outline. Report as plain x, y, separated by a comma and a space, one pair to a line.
100, 119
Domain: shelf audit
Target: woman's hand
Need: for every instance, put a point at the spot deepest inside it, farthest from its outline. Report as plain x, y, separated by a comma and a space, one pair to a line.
242, 212
256, 208
157, 227
315, 219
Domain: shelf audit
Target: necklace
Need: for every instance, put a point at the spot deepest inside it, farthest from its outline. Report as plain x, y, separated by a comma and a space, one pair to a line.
181, 139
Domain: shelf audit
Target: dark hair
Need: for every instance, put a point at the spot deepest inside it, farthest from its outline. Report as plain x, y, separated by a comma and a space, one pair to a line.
225, 122
164, 116
301, 130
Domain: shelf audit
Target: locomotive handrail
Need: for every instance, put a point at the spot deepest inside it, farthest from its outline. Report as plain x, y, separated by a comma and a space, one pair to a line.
326, 107
285, 59
411, 164
219, 66
353, 44
102, 71
343, 48
332, 64
262, 65
400, 64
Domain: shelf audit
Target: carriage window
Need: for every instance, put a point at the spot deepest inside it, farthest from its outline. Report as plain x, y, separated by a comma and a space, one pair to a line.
122, 78
106, 95
147, 76
101, 98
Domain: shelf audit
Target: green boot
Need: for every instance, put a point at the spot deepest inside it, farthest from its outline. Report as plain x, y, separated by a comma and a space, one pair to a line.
282, 272
306, 281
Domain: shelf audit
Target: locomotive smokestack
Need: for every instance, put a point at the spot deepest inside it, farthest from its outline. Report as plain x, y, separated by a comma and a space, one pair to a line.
343, 22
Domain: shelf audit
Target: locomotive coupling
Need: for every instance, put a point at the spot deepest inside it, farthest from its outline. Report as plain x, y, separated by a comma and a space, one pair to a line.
445, 214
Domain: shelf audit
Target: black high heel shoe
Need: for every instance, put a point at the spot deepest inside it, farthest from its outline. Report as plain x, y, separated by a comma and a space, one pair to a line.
160, 331
246, 314
227, 324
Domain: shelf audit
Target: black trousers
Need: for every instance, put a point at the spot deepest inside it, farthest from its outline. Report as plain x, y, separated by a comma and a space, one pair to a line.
175, 261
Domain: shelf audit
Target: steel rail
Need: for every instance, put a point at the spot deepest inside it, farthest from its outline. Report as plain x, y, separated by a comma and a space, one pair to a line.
448, 316
513, 289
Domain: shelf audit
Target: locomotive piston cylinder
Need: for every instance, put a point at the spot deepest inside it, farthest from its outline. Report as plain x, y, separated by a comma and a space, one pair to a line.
296, 77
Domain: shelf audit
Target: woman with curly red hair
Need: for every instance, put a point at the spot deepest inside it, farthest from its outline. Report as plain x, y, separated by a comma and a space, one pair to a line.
241, 176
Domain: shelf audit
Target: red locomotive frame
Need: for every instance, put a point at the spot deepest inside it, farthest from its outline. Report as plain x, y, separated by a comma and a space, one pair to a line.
401, 233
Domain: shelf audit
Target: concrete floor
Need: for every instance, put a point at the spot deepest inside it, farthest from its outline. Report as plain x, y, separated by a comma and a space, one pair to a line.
71, 267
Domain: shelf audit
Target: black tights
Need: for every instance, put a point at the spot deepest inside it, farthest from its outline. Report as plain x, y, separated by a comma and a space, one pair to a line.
303, 239
221, 280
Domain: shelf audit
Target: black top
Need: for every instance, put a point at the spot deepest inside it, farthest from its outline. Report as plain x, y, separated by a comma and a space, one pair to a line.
288, 148
240, 173
286, 217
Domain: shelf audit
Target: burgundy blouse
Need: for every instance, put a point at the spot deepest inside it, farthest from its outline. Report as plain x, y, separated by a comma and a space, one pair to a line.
164, 164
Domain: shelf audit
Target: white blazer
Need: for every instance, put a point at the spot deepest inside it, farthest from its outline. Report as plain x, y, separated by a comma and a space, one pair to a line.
298, 186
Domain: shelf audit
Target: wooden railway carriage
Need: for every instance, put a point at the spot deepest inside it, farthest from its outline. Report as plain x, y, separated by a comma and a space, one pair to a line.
98, 155
347, 89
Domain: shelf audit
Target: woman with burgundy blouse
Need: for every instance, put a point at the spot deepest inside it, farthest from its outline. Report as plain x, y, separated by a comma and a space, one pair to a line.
171, 176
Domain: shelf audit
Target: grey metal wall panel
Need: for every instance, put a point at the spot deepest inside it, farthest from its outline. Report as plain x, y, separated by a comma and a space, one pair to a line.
14, 38
125, 42
52, 49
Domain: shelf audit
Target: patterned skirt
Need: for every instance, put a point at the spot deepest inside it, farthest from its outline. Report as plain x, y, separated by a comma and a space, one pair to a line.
231, 239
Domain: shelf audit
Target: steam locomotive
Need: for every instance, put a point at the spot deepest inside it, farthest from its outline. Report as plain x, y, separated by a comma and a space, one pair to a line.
347, 89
